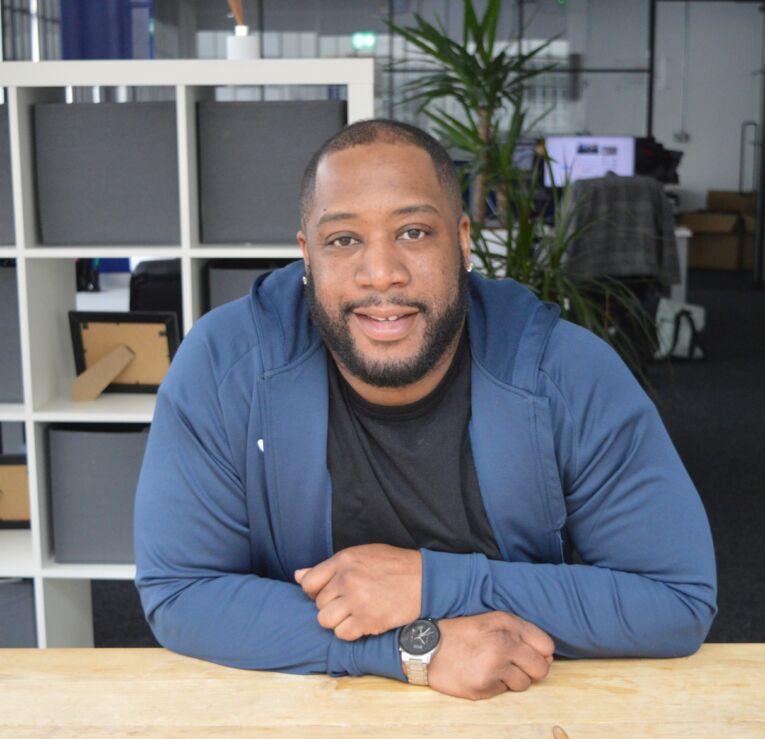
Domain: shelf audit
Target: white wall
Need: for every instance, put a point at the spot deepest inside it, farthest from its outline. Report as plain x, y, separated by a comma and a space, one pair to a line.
725, 46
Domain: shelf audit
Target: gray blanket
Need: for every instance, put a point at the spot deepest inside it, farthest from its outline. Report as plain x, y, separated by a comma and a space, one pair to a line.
630, 230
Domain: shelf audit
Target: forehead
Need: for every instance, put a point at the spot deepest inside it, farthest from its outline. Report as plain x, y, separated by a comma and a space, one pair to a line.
375, 175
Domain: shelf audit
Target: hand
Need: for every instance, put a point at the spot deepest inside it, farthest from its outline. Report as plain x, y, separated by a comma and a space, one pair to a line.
366, 589
484, 655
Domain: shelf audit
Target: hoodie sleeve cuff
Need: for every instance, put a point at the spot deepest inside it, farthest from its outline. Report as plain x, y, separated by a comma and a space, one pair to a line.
447, 584
370, 655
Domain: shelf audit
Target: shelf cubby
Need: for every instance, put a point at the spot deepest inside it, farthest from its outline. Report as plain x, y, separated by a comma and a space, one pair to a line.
46, 277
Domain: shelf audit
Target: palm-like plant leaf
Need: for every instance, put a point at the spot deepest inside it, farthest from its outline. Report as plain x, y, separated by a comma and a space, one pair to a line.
486, 84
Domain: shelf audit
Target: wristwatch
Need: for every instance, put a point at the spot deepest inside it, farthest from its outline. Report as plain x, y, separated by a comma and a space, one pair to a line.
417, 643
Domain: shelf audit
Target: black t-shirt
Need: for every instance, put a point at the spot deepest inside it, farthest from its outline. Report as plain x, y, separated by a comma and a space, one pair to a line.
404, 475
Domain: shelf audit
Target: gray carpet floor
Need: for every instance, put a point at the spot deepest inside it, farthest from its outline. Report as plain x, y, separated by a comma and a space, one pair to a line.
714, 411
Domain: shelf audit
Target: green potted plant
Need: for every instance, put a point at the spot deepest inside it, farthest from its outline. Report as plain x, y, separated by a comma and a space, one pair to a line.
487, 83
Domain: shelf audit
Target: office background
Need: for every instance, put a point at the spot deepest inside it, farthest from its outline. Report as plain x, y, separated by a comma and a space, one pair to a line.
689, 73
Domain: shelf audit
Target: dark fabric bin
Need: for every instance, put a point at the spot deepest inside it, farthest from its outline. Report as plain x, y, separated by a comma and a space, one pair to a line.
107, 173
17, 613
11, 386
7, 231
251, 160
93, 474
229, 279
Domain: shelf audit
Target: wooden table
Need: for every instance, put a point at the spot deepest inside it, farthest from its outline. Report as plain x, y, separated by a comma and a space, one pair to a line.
718, 692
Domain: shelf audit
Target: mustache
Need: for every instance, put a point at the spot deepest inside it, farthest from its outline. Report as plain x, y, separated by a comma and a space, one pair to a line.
377, 301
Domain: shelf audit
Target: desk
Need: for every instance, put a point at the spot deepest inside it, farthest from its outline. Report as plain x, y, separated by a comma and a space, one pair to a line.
718, 692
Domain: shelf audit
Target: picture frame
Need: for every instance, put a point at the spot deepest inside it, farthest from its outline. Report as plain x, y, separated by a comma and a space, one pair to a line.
152, 336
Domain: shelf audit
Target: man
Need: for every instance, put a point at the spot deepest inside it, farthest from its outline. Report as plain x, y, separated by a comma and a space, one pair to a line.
378, 436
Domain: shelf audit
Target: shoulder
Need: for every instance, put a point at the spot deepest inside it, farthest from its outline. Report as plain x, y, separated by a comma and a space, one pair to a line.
217, 342
583, 367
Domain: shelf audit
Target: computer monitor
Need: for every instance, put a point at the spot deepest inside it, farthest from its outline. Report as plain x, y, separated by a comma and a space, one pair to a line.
585, 157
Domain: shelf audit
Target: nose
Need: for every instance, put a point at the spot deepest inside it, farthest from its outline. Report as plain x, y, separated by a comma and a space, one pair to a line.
381, 266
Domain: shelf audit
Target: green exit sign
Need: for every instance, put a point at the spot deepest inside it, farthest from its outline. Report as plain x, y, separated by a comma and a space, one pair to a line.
364, 40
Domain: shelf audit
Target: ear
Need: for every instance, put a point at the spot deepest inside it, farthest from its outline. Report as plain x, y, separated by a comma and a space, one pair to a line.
303, 243
463, 232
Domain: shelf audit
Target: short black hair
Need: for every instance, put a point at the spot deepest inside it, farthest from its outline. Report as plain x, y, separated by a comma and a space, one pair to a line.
384, 130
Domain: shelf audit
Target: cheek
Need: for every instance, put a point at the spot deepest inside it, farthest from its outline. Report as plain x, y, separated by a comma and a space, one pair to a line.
328, 291
434, 280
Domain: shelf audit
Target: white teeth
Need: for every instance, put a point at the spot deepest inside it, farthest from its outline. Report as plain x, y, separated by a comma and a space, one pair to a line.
391, 318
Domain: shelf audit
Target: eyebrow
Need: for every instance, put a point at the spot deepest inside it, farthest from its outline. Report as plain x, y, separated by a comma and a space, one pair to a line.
405, 210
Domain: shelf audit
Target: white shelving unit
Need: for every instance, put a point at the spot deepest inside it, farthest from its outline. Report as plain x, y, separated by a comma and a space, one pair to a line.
46, 288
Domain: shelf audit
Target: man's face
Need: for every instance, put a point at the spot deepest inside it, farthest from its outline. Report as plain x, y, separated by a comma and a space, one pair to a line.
383, 240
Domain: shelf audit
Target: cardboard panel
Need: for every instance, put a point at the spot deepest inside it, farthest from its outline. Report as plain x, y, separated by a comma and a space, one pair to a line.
731, 201
14, 492
710, 223
715, 251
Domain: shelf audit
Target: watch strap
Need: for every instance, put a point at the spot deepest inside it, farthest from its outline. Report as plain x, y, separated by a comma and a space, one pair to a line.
417, 671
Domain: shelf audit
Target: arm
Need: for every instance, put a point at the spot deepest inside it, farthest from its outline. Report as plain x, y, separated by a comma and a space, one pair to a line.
648, 587
193, 567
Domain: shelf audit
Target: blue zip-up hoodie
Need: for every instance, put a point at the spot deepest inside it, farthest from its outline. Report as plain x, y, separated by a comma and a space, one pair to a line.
234, 493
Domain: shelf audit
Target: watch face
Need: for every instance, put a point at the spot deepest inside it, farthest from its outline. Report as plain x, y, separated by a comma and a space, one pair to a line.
419, 637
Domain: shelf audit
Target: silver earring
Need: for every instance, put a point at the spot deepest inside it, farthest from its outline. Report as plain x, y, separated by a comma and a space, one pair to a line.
305, 280
469, 267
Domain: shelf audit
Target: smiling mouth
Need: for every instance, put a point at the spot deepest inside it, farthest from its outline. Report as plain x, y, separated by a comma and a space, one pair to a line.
386, 325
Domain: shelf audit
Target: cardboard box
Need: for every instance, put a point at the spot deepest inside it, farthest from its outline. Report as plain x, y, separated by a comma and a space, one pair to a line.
14, 492
731, 201
705, 222
716, 240
715, 251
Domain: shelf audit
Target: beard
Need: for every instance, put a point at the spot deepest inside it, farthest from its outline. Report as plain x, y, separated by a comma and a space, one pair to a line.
440, 331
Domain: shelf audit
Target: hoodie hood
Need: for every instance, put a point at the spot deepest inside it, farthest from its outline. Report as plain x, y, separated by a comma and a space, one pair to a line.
499, 312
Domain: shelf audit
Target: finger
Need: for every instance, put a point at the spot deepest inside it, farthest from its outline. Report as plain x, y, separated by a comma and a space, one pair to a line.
515, 678
349, 630
327, 594
536, 638
318, 576
530, 661
334, 613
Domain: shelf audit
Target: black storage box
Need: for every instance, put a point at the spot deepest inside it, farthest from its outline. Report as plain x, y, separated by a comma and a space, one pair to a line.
11, 386
251, 160
107, 173
156, 285
17, 613
7, 231
93, 474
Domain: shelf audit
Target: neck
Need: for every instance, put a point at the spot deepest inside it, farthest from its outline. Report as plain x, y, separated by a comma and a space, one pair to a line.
408, 393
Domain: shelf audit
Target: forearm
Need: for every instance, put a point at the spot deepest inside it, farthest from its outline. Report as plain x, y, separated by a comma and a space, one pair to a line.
588, 611
256, 623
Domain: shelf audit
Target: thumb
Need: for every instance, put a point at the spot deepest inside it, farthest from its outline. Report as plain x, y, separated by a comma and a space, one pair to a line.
299, 573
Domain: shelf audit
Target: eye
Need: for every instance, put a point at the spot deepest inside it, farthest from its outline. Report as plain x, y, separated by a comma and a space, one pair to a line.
342, 241
414, 234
